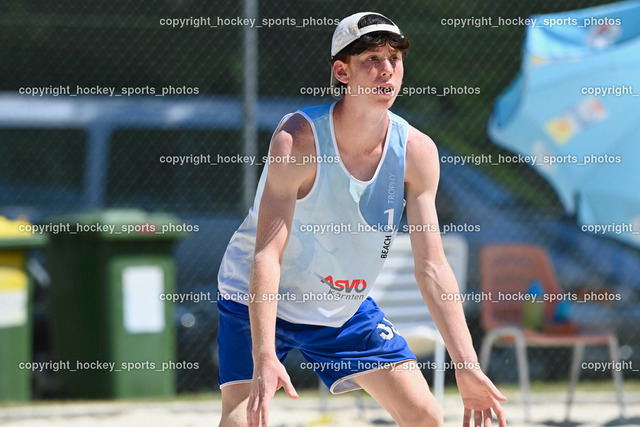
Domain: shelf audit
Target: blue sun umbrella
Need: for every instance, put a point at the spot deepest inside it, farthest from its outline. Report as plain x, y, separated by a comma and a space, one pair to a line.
575, 106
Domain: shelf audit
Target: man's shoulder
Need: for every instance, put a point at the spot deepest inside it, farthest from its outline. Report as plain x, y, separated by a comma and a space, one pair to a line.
316, 111
299, 124
420, 144
295, 132
422, 170
414, 137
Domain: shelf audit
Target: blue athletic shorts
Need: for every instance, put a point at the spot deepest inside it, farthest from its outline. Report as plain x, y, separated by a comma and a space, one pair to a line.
366, 342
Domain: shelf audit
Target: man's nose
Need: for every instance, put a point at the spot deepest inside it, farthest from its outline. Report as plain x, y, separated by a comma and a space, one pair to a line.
387, 66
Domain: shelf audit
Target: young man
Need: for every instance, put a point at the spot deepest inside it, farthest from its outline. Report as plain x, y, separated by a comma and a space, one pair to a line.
281, 286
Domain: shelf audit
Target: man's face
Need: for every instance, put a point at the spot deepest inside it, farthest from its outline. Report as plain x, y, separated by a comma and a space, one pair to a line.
376, 75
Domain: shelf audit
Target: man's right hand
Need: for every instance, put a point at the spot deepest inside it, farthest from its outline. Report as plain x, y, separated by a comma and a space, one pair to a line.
269, 375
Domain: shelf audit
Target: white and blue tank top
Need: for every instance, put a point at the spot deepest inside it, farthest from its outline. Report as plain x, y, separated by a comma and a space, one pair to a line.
340, 235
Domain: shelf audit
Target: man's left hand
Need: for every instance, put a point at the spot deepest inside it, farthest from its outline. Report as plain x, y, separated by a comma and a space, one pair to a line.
479, 397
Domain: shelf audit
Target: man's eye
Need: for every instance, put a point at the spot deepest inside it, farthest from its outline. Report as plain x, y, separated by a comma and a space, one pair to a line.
373, 58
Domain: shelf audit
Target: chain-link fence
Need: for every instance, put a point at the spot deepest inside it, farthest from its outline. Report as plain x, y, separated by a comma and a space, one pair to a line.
124, 104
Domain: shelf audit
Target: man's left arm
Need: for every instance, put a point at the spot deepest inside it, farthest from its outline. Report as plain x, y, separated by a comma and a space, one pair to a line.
435, 280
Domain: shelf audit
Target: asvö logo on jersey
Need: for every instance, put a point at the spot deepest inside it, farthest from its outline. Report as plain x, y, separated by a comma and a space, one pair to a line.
358, 285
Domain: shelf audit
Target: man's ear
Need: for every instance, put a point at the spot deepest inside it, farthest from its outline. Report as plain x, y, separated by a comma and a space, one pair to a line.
340, 71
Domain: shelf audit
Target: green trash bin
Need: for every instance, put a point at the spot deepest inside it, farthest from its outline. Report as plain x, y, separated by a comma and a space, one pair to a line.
15, 309
109, 319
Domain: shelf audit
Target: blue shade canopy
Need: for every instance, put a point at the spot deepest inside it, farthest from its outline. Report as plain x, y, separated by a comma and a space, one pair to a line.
575, 105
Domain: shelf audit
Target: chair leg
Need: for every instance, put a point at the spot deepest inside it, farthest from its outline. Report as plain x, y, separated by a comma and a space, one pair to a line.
438, 374
323, 394
578, 351
616, 373
523, 373
485, 351
359, 396
521, 356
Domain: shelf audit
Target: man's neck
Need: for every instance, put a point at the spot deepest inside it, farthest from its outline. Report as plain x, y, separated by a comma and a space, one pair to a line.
358, 130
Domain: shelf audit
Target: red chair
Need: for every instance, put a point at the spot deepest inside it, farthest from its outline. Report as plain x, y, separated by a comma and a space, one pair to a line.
509, 269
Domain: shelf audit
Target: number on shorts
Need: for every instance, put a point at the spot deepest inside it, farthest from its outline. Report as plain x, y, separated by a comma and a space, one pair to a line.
388, 330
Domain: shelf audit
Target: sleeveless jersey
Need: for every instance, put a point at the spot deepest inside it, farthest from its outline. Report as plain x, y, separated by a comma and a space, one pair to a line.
340, 235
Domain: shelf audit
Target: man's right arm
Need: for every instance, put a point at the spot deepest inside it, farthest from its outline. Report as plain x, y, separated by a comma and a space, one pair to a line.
284, 184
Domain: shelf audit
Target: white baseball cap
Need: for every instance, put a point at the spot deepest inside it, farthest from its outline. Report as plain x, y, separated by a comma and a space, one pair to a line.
351, 29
